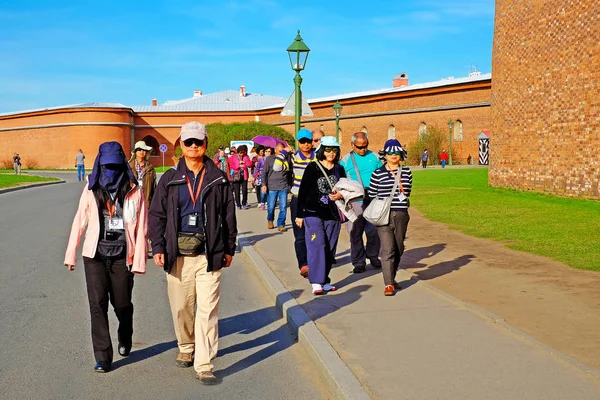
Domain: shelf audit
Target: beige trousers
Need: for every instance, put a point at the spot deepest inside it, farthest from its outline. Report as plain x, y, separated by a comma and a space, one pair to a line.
194, 299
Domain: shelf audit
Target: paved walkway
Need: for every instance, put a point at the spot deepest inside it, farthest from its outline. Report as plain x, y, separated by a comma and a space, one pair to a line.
417, 344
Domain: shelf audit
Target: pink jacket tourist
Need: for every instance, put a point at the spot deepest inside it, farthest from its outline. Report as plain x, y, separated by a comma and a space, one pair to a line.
135, 216
234, 164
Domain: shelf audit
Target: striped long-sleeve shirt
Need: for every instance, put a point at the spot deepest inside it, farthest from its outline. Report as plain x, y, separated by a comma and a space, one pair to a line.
299, 163
382, 183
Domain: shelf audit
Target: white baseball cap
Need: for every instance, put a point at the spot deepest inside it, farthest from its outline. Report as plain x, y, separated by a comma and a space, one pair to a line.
193, 130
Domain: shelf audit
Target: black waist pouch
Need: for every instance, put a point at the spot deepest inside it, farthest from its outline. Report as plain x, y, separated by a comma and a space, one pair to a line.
191, 244
112, 246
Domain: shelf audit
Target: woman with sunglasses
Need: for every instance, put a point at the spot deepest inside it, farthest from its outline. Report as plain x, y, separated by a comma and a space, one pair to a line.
318, 213
393, 234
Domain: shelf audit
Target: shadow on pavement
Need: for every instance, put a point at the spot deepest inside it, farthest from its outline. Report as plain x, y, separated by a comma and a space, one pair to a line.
412, 257
443, 268
142, 354
277, 339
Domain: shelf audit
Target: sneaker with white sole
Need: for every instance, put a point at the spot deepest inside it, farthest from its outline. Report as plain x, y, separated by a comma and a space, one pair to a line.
329, 288
317, 288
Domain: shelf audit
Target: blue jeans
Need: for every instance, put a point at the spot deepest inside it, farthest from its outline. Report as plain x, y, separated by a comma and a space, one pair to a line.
80, 171
443, 162
271, 198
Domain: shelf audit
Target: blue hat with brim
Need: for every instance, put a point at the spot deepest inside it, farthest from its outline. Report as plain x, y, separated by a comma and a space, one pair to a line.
328, 141
304, 134
393, 146
111, 153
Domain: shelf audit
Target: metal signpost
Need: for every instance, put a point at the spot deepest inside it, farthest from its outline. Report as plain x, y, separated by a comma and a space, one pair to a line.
163, 150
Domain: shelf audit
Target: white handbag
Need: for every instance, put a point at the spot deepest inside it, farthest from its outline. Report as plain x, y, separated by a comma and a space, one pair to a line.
378, 211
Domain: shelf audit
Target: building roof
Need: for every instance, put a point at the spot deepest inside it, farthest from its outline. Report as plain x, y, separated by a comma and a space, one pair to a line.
231, 100
226, 100
81, 105
408, 88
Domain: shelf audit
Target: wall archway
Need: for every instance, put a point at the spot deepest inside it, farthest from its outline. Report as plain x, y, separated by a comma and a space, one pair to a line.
458, 131
152, 142
422, 129
364, 129
391, 132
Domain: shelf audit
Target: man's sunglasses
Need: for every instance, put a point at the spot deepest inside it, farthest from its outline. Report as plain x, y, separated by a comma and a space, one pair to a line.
304, 141
361, 147
190, 142
331, 149
316, 140
395, 153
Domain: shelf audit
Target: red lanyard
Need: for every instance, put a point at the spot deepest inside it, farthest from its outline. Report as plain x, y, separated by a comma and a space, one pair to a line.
400, 182
195, 197
110, 208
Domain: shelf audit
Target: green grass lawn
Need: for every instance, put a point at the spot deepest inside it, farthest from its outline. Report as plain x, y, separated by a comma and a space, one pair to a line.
564, 229
9, 180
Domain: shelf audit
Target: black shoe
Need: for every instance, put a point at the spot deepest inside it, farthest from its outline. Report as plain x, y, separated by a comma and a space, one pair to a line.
359, 269
124, 350
376, 264
102, 366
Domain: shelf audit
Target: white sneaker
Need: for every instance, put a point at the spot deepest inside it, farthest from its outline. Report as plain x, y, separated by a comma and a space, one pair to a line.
329, 288
317, 288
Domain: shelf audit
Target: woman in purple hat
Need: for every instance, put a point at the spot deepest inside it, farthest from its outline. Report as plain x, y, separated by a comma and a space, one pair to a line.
113, 210
393, 234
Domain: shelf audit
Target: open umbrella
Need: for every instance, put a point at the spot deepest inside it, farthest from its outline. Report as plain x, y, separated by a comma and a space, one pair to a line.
268, 141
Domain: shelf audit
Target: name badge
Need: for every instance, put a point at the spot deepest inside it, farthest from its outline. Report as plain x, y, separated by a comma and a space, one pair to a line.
193, 220
401, 197
116, 223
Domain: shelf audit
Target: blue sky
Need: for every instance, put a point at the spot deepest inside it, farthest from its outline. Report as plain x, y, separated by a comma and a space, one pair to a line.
54, 53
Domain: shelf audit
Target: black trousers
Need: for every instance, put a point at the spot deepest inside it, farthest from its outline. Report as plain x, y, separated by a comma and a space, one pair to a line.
299, 239
243, 185
109, 281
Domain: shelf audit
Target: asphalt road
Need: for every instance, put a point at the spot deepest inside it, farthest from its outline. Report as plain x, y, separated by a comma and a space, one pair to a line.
45, 344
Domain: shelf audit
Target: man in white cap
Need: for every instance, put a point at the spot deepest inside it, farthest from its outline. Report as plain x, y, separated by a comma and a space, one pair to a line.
193, 229
143, 170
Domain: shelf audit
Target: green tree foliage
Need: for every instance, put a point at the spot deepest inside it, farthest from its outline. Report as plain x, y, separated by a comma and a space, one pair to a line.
222, 134
434, 141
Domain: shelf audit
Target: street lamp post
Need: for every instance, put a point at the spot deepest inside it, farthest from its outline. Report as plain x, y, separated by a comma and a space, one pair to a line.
450, 126
337, 111
298, 53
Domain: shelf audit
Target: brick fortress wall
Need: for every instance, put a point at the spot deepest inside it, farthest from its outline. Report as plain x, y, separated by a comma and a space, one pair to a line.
546, 97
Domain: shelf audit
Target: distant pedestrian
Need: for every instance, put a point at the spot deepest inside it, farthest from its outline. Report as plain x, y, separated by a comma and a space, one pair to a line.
112, 208
259, 166
143, 170
193, 230
17, 163
80, 165
277, 185
359, 165
221, 159
444, 158
424, 158
240, 164
318, 213
300, 160
392, 235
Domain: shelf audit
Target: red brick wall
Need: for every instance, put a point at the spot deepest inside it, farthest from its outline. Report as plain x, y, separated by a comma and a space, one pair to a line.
546, 97
56, 147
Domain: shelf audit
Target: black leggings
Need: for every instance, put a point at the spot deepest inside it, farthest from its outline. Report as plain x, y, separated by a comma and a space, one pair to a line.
243, 185
109, 281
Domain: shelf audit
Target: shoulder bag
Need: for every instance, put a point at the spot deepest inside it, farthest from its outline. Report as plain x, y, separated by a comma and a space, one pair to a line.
341, 215
378, 211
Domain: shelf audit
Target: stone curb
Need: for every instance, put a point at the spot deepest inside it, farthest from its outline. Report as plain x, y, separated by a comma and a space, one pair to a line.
15, 188
341, 382
501, 322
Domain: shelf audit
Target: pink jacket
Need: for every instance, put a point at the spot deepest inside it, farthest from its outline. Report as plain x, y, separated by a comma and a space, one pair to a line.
135, 216
234, 164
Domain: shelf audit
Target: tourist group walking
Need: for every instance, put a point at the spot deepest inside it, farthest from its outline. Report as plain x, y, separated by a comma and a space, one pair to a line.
187, 223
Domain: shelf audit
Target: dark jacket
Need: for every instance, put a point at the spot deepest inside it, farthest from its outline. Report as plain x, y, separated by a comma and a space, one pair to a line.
148, 180
220, 225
